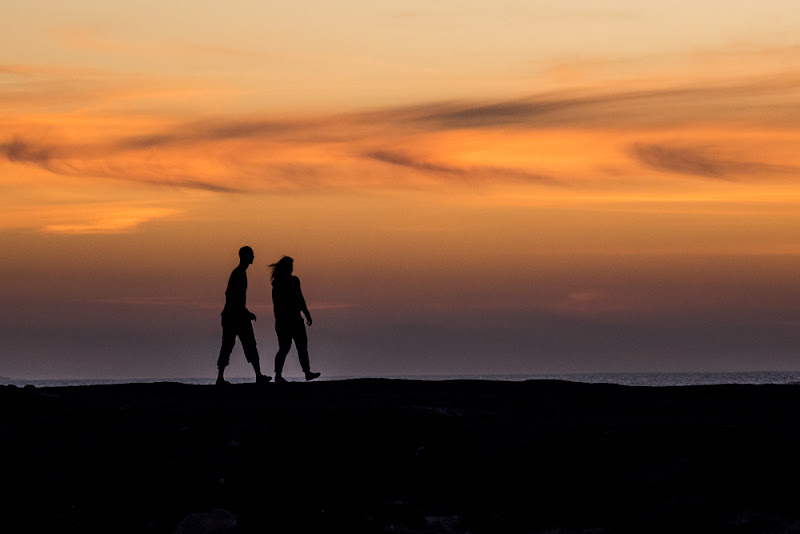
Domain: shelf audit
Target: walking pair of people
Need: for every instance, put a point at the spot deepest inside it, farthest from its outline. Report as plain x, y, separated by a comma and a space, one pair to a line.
288, 304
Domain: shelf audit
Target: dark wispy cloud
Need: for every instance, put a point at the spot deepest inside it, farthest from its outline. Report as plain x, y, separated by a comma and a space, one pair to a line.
404, 160
703, 161
653, 106
513, 113
19, 150
210, 131
94, 161
469, 173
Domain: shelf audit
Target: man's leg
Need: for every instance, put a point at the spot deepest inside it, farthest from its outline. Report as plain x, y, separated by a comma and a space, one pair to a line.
248, 339
228, 342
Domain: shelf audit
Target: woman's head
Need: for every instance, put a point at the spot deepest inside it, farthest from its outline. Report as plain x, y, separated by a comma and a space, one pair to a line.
283, 267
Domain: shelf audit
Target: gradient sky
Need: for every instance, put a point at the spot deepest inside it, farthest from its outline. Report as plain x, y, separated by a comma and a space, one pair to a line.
466, 186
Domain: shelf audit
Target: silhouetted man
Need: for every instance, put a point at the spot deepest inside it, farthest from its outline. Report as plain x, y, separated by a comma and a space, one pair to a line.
288, 303
236, 320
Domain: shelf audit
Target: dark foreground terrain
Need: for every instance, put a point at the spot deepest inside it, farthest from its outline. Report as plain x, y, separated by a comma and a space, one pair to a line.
400, 456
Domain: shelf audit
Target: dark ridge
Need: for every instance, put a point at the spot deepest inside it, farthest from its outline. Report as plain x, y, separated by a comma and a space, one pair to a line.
379, 455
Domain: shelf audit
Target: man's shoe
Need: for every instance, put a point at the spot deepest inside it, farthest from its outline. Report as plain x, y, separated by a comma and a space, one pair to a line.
263, 379
222, 382
311, 376
280, 380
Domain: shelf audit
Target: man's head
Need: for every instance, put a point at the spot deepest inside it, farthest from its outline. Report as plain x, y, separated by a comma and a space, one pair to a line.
246, 255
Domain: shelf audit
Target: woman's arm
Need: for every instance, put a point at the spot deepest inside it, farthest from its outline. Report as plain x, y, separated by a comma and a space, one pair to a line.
303, 306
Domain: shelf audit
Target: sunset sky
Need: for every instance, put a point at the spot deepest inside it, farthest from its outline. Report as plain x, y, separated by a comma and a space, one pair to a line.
466, 186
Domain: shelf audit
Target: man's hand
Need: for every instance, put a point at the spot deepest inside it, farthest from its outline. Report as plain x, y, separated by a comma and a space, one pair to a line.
252, 316
308, 320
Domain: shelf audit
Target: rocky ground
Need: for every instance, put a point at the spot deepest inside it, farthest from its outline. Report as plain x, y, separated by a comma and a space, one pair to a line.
365, 456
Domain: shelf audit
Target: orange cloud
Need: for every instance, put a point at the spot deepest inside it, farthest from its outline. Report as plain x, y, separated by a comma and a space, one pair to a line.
110, 221
82, 218
630, 135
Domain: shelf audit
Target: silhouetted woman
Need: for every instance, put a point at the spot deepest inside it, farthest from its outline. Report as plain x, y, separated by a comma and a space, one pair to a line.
288, 303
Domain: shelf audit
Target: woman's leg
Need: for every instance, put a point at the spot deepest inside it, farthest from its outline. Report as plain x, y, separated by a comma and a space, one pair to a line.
301, 342
284, 344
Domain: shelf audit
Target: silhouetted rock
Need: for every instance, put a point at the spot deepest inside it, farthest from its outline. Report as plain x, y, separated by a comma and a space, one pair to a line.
366, 456
211, 522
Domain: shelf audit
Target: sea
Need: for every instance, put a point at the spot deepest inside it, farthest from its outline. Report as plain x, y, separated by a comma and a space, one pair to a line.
660, 379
